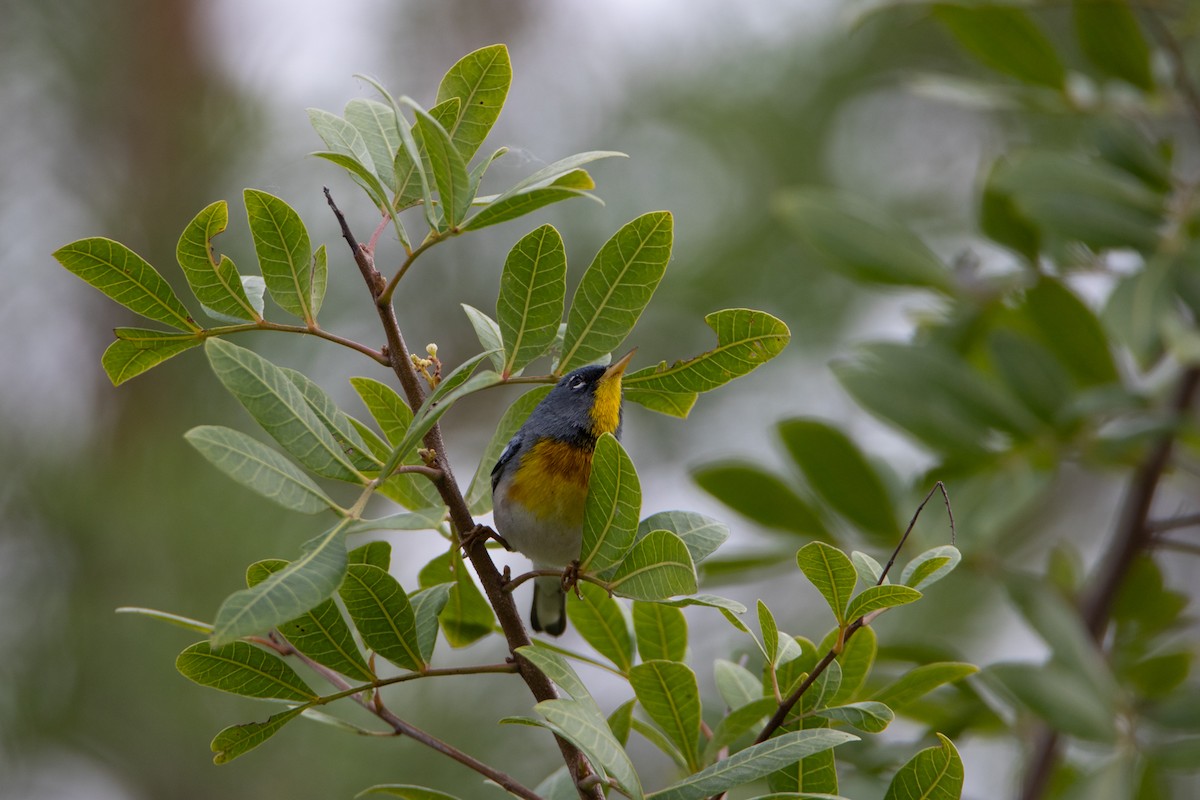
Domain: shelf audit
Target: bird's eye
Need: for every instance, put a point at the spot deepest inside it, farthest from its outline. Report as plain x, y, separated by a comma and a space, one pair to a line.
578, 384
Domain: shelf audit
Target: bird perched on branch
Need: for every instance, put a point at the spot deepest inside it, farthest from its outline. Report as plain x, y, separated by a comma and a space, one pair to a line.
540, 483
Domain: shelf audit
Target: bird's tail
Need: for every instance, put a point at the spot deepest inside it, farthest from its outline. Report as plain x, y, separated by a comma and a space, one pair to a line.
549, 614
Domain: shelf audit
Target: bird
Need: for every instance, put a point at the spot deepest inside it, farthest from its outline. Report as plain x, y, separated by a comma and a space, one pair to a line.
540, 481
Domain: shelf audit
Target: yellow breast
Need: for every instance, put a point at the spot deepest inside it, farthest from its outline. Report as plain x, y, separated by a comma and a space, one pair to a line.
551, 481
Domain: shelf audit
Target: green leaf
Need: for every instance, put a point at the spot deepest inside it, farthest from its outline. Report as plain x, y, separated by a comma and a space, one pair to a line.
661, 631
468, 616
753, 763
1031, 372
458, 384
815, 775
532, 293
746, 339
363, 175
1071, 331
480, 169
620, 721
702, 535
918, 682
602, 624
487, 331
449, 169
287, 594
669, 693
336, 421
1056, 694
412, 177
393, 417
383, 615
831, 571
377, 124
672, 404
770, 633
269, 394
1180, 754
586, 728
839, 473
512, 206
931, 566
935, 396
556, 668
1090, 201
479, 494
216, 284
1001, 220
258, 467
406, 792
877, 598
174, 619
551, 173
706, 600
284, 255
422, 520
427, 606
1111, 38
861, 241
610, 513
869, 570
736, 684
1006, 39
1138, 309
342, 138
237, 740
738, 723
616, 288
241, 668
760, 496
480, 81
659, 566
376, 553
138, 349
856, 659
935, 773
869, 716
127, 278
320, 633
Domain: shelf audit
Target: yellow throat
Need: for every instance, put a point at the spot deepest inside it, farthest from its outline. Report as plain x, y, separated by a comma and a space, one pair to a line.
606, 409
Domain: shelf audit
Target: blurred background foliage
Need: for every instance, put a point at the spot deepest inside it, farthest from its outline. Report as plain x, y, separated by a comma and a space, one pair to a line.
1050, 162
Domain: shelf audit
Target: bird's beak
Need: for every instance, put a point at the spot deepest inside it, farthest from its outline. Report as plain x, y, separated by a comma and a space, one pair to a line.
617, 368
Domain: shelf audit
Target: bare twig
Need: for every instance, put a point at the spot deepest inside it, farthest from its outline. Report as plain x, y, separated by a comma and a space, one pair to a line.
1173, 523
1174, 544
433, 473
546, 573
460, 515
785, 708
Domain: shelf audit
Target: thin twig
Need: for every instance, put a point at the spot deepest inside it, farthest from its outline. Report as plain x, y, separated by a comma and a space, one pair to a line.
433, 473
460, 515
1176, 545
785, 708
1179, 67
314, 330
1173, 523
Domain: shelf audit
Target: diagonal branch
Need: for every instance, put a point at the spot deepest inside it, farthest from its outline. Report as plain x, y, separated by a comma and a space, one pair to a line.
460, 515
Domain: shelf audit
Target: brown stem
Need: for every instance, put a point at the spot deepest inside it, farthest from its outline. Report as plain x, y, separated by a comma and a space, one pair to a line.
1173, 523
460, 515
1134, 535
546, 573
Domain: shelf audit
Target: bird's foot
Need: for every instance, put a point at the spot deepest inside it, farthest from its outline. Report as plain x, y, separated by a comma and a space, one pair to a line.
479, 535
570, 579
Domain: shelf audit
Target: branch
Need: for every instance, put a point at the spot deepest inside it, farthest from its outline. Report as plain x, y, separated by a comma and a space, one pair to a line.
1173, 523
785, 708
314, 330
460, 515
546, 573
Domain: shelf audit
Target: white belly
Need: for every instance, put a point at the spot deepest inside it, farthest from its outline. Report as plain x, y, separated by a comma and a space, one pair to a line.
544, 542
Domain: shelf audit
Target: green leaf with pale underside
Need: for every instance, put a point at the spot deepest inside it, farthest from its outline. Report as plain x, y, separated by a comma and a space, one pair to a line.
376, 123
602, 624
877, 598
127, 278
661, 631
669, 693
275, 402
935, 773
258, 467
449, 170
287, 594
587, 728
616, 288
831, 571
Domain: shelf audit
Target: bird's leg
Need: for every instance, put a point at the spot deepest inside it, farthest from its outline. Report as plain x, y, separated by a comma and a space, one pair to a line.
478, 534
570, 579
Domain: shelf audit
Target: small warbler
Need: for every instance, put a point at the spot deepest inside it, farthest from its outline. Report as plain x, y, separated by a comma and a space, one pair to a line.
540, 483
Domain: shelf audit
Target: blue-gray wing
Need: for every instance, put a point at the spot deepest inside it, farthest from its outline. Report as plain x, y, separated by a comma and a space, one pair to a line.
510, 452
